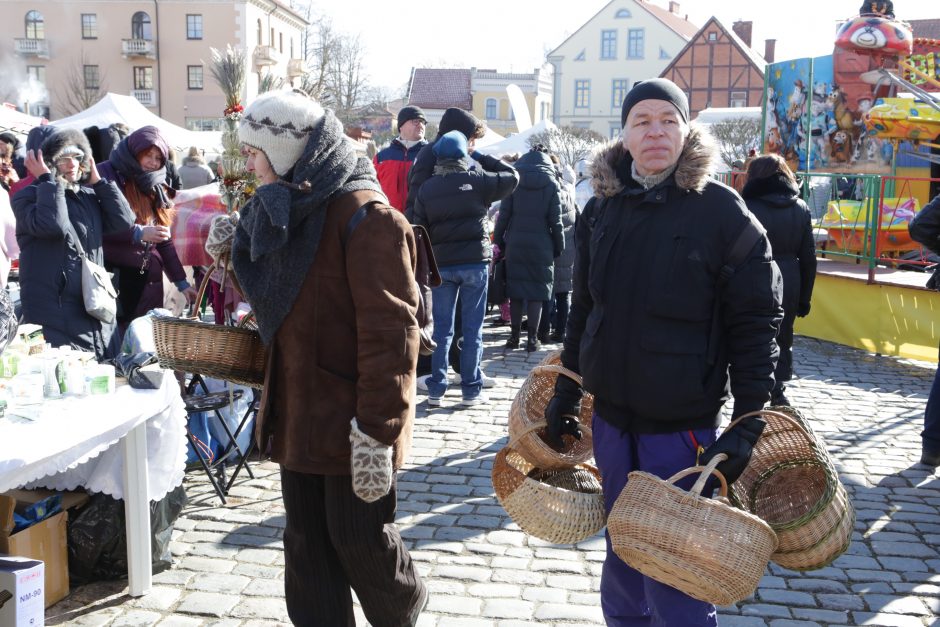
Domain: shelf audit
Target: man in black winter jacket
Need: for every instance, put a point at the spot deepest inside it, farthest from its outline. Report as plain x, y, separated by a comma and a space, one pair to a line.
452, 205
664, 323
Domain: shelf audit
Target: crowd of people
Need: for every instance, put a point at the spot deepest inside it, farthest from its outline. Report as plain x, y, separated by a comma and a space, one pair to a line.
669, 292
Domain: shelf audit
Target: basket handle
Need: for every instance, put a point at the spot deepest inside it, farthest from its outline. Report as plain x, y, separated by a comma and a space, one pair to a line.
202, 291
574, 376
535, 426
704, 473
761, 412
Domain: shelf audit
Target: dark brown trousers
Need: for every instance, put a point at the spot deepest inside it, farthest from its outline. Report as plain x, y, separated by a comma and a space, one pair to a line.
335, 541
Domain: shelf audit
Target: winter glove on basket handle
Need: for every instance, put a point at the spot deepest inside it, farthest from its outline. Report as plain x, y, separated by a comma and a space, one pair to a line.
737, 442
371, 465
562, 411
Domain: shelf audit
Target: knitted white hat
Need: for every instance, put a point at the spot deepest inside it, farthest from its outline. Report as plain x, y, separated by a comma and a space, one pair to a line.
278, 123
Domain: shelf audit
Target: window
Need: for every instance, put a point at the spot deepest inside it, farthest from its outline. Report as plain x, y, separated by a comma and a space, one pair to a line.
712, 36
280, 42
635, 37
271, 40
663, 54
35, 26
738, 99
140, 26
36, 73
622, 13
260, 40
292, 48
608, 44
580, 56
618, 91
92, 77
143, 78
490, 109
582, 94
89, 26
614, 131
203, 124
194, 76
193, 26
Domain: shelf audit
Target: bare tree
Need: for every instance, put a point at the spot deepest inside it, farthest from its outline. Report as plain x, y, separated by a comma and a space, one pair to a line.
346, 80
570, 143
735, 137
318, 44
81, 90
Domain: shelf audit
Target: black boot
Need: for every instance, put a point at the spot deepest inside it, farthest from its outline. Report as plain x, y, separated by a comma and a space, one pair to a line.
513, 341
557, 336
778, 398
930, 457
532, 345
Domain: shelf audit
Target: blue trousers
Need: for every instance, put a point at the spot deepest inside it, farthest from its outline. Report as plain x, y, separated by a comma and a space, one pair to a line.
628, 598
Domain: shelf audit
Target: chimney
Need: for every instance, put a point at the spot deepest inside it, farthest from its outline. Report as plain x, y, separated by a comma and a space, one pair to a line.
743, 30
674, 8
769, 47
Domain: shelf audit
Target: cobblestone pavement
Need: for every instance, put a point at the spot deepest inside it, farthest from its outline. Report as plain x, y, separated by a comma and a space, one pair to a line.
483, 571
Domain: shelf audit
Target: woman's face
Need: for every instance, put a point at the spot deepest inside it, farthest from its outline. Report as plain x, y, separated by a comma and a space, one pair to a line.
150, 159
68, 168
259, 164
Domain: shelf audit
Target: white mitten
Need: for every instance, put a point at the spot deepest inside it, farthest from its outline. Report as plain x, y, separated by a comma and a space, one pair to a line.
371, 465
221, 234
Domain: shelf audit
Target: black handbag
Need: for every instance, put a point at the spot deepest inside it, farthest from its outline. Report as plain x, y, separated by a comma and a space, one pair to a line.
496, 290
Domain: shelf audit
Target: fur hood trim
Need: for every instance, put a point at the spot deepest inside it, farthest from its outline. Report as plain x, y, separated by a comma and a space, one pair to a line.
54, 144
697, 163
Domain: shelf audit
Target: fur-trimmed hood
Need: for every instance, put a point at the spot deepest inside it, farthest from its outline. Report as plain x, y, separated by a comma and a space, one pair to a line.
54, 144
697, 162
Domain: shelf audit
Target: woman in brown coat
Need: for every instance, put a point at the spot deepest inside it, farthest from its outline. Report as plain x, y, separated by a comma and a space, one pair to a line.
336, 311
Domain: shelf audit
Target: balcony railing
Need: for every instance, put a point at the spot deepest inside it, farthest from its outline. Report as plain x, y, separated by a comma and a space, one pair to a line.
32, 48
146, 97
295, 68
265, 55
139, 48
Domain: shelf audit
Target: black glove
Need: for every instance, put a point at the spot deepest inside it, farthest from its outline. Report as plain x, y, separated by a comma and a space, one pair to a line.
737, 444
802, 310
562, 411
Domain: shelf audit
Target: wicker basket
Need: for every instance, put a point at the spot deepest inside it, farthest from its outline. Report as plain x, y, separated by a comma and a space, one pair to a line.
704, 547
223, 352
562, 506
527, 421
792, 484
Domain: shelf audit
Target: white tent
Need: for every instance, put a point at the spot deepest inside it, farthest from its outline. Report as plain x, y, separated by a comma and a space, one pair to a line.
713, 115
517, 143
127, 109
13, 120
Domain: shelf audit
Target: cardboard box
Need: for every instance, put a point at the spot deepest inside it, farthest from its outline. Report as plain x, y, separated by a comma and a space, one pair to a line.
21, 592
45, 541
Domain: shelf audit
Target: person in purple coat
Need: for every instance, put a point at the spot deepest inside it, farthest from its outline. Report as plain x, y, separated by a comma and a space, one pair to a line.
142, 254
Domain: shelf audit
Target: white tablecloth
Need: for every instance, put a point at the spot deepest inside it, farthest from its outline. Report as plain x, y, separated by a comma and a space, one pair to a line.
72, 443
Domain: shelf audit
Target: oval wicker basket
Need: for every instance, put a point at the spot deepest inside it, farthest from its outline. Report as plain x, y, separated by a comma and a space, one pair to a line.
704, 547
792, 484
527, 421
229, 353
552, 513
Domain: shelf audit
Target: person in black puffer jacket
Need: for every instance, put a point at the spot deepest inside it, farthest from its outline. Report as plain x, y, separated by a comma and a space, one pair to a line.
452, 206
530, 234
773, 195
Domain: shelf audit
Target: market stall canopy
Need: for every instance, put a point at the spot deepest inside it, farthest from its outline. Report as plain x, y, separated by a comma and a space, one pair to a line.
16, 121
713, 115
127, 109
518, 143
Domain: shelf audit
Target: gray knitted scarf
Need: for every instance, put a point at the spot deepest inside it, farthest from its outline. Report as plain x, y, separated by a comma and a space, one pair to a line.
279, 229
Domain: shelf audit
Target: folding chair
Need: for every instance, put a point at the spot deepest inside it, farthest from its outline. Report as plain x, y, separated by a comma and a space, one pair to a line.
216, 402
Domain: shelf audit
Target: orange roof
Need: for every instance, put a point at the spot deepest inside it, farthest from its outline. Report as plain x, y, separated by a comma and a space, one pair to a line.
683, 27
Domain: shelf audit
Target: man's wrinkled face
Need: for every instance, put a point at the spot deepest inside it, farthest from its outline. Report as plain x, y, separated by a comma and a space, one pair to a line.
412, 130
654, 134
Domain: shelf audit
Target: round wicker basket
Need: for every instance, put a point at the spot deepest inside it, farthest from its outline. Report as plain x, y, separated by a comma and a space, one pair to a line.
229, 353
792, 484
527, 421
704, 547
562, 506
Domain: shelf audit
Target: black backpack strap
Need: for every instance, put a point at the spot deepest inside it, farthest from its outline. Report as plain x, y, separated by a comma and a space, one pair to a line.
742, 247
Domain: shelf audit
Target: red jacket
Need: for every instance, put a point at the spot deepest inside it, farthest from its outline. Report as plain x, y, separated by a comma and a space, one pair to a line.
392, 165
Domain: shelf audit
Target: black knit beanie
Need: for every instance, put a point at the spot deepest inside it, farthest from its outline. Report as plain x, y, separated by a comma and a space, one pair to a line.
655, 89
455, 119
410, 113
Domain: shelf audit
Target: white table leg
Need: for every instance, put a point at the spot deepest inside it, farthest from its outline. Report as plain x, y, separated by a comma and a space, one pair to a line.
137, 510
